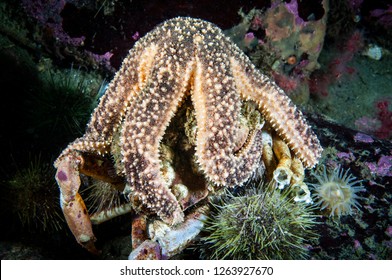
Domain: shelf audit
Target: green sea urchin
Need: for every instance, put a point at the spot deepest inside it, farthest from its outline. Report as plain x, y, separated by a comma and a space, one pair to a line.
60, 109
337, 191
32, 196
261, 224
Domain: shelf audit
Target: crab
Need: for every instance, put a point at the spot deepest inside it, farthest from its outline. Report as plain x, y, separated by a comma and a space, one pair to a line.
151, 237
186, 116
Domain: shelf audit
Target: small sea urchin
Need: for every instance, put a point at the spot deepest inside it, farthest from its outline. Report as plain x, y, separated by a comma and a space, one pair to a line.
337, 191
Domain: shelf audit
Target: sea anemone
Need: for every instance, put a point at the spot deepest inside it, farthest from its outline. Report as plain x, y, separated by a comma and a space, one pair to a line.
337, 191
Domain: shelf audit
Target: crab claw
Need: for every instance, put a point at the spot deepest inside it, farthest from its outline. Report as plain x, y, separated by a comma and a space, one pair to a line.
72, 204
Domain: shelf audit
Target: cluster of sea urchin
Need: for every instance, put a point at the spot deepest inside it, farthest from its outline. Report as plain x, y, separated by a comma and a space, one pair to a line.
261, 224
337, 191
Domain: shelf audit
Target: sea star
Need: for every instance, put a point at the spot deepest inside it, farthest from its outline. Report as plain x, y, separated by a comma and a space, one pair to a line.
180, 57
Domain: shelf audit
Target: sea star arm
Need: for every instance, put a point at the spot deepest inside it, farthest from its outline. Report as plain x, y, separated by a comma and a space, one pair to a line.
277, 109
108, 115
217, 108
145, 124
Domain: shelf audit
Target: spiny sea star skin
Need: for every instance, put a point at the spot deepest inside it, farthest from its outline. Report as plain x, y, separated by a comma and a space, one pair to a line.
189, 56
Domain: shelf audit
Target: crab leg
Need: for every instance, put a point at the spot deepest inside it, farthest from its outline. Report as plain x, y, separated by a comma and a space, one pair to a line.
71, 202
106, 215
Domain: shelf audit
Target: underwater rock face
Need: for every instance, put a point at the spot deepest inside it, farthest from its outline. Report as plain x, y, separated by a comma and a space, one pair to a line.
365, 234
285, 40
289, 34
